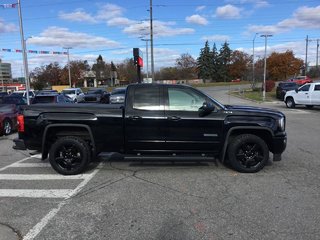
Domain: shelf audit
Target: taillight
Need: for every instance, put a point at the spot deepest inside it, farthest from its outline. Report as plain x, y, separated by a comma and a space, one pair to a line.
20, 120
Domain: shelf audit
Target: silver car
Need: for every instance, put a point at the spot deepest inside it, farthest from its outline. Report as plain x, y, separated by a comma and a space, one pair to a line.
118, 95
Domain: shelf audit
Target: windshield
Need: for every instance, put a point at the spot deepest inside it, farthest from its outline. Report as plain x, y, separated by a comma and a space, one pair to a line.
119, 91
98, 91
68, 92
43, 99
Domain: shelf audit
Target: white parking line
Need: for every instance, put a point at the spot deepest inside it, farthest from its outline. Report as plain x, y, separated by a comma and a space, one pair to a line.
44, 221
27, 177
34, 193
30, 165
9, 166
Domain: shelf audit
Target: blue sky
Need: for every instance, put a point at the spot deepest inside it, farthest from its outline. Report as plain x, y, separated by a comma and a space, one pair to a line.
112, 28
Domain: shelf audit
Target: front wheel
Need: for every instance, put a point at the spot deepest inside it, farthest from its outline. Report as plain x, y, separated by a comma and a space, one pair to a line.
69, 155
290, 102
248, 153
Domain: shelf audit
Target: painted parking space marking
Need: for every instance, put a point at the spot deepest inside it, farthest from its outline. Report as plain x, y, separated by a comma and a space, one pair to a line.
30, 165
35, 193
29, 177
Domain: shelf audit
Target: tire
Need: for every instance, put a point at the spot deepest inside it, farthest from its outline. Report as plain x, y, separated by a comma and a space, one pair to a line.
290, 102
309, 106
248, 153
69, 155
7, 127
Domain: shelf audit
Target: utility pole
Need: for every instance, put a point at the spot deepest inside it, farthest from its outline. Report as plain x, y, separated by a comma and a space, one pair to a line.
265, 64
24, 54
317, 58
306, 60
151, 42
146, 40
253, 80
69, 72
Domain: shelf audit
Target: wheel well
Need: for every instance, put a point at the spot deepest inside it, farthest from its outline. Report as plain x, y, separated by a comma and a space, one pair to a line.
54, 133
263, 134
289, 98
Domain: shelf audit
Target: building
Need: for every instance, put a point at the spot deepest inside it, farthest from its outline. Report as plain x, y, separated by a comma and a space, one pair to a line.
5, 73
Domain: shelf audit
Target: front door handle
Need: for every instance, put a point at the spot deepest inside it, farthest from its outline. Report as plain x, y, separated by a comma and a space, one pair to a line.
173, 118
134, 118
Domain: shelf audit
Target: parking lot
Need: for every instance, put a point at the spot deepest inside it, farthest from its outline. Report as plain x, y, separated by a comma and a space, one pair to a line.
133, 200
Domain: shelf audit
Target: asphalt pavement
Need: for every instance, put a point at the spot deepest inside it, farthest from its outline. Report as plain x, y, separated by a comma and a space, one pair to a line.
130, 200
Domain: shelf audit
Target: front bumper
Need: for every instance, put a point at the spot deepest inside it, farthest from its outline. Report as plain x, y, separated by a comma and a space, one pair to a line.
19, 144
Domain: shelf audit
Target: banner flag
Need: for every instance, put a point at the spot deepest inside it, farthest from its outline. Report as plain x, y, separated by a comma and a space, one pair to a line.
33, 51
11, 5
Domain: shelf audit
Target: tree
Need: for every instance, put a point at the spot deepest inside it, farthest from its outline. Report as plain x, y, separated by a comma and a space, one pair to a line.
204, 63
127, 71
281, 66
48, 75
224, 62
77, 69
240, 63
186, 66
101, 70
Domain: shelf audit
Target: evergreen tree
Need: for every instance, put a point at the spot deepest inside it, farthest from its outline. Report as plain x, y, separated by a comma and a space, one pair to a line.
215, 63
204, 63
224, 62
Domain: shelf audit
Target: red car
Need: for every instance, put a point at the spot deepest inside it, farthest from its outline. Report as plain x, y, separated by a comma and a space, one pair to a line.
8, 118
300, 80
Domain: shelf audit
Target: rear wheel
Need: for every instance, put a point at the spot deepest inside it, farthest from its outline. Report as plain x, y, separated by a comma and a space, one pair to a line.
69, 155
248, 153
290, 102
7, 127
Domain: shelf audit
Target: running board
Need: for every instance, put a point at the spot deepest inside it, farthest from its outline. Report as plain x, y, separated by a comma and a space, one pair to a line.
170, 158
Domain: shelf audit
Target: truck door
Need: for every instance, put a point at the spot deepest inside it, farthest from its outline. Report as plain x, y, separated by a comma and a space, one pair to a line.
315, 95
302, 96
186, 130
144, 119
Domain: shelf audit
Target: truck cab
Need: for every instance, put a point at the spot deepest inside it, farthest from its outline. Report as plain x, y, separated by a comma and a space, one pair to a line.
308, 95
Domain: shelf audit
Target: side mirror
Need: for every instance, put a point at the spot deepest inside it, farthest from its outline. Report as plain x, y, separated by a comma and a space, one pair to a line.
78, 93
206, 109
296, 90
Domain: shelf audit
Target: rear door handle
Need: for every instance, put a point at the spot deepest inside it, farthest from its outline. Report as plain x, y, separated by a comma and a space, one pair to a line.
173, 118
134, 118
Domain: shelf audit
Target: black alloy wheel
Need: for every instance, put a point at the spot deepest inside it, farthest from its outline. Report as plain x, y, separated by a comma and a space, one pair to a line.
69, 155
7, 127
248, 153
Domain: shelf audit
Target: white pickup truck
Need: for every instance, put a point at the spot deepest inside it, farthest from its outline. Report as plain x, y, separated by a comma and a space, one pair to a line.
308, 94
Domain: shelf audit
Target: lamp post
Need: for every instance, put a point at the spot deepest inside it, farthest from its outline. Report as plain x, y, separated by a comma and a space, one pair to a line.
265, 64
69, 72
151, 41
24, 54
253, 80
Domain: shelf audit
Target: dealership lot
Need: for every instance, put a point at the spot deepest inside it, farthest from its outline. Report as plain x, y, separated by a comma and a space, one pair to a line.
132, 200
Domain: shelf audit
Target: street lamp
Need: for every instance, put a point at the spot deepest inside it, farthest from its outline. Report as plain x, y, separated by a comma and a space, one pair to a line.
69, 72
265, 64
253, 80
151, 41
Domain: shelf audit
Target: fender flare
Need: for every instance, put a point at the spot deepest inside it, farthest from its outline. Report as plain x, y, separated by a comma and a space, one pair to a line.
225, 145
44, 151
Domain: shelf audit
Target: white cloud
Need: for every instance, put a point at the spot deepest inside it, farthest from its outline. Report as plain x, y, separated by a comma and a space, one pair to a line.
77, 16
228, 12
197, 19
109, 11
120, 21
200, 8
62, 37
256, 3
161, 29
303, 17
7, 27
218, 38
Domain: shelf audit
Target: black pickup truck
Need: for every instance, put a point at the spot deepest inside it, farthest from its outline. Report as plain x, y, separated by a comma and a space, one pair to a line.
156, 122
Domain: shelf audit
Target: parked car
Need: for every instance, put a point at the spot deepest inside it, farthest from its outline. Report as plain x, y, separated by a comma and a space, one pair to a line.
308, 94
17, 100
51, 98
46, 92
156, 122
75, 94
8, 118
236, 80
24, 94
118, 95
300, 80
97, 95
283, 87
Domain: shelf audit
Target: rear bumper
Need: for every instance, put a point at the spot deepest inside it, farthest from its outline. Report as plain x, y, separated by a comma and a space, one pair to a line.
19, 144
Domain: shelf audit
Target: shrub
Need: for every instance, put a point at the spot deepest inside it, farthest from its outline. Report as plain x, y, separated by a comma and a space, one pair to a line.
270, 85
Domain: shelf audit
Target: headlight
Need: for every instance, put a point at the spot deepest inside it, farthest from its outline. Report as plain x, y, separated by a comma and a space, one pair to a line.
282, 124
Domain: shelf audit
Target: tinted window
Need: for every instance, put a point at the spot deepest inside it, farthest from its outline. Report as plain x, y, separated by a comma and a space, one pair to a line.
317, 87
95, 91
147, 98
68, 91
119, 91
305, 88
43, 99
184, 100
290, 84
